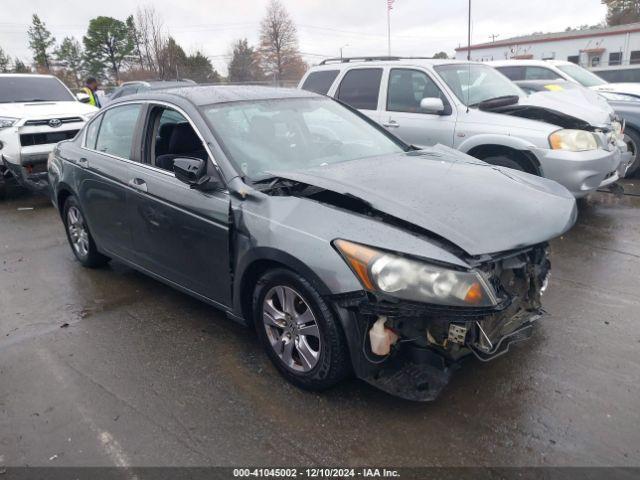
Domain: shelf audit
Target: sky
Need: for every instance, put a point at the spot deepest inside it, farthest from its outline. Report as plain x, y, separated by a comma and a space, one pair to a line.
418, 27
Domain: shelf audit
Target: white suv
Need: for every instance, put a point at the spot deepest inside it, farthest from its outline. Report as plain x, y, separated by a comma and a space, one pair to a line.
36, 112
561, 70
475, 109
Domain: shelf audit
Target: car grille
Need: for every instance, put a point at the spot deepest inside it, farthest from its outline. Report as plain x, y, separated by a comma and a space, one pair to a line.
30, 139
45, 121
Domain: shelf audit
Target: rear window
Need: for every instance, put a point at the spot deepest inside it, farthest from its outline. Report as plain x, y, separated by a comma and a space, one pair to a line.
320, 82
360, 88
512, 73
33, 89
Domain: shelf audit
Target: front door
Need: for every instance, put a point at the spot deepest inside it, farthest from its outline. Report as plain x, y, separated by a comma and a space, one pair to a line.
103, 177
403, 116
179, 233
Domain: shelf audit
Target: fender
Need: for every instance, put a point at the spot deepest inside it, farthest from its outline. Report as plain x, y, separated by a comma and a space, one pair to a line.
494, 139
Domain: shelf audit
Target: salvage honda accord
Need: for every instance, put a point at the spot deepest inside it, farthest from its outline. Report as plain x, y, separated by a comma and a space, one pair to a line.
347, 249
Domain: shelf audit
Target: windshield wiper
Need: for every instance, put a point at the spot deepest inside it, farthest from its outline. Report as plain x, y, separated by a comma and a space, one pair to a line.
496, 102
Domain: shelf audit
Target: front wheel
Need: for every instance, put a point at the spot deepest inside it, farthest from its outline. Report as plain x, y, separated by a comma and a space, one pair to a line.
502, 161
80, 239
632, 139
299, 332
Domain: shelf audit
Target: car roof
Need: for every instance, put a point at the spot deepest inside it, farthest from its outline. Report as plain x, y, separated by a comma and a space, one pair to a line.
23, 75
532, 62
333, 64
200, 95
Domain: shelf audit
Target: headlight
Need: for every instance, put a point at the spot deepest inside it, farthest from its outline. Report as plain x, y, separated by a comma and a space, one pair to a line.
573, 140
415, 280
6, 122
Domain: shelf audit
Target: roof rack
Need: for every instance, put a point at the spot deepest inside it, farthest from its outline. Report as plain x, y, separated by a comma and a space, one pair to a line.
369, 59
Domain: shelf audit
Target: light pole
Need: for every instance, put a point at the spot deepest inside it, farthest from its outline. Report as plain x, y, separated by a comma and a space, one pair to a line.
343, 46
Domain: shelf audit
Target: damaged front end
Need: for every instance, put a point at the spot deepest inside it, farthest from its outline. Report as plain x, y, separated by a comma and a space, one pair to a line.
425, 342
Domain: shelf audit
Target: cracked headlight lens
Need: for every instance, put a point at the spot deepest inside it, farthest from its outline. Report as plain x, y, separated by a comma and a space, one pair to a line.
573, 140
416, 280
6, 122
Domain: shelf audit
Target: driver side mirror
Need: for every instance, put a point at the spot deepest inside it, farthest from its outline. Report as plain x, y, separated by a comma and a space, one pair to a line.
433, 105
83, 98
193, 172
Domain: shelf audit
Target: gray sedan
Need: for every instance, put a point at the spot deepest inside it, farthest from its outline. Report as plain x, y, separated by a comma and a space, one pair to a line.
346, 249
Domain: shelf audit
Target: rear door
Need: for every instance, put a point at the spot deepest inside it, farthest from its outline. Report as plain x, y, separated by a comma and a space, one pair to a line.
403, 116
360, 88
179, 233
104, 175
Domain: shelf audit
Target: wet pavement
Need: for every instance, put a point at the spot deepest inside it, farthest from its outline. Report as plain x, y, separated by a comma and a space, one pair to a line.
109, 367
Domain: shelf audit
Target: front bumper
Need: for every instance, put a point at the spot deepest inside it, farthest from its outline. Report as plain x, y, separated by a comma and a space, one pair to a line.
580, 172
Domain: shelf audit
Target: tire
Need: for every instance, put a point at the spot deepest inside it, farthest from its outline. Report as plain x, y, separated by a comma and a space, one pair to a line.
79, 237
282, 333
632, 139
502, 161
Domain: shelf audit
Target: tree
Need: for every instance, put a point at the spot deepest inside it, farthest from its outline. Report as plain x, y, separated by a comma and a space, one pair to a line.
152, 38
40, 41
134, 36
69, 52
245, 64
441, 55
198, 68
20, 67
4, 61
107, 44
622, 12
278, 42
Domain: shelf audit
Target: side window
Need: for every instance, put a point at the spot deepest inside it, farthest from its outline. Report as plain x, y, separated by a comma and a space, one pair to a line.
408, 87
512, 73
540, 73
360, 88
117, 130
92, 133
320, 82
172, 137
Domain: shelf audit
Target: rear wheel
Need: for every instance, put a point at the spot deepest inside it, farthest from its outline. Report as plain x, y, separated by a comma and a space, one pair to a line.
503, 161
299, 332
80, 239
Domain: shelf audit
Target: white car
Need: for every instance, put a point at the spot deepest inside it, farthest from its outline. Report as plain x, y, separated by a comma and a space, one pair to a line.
473, 108
518, 70
36, 112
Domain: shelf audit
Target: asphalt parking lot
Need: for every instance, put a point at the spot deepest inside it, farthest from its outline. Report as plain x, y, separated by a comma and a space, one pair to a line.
109, 367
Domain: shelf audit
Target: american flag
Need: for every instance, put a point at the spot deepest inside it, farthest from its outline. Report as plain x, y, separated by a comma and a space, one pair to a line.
390, 4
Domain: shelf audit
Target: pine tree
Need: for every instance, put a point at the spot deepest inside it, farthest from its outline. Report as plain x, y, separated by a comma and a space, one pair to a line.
20, 67
107, 44
244, 65
4, 61
40, 41
70, 53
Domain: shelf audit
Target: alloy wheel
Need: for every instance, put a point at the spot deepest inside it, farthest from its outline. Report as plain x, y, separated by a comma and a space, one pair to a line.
291, 328
78, 231
633, 148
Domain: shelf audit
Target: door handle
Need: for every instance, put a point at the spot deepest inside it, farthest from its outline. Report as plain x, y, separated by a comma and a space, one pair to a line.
139, 184
83, 162
391, 124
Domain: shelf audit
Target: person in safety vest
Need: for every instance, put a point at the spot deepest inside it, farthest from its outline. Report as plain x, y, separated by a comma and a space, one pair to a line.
91, 88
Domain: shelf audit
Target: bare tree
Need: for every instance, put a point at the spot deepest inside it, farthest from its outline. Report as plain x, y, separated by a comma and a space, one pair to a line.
152, 38
278, 41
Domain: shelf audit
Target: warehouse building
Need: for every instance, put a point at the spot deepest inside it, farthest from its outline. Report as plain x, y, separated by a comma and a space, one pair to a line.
609, 49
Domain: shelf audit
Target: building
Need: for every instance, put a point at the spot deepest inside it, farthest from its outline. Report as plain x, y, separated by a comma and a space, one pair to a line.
605, 48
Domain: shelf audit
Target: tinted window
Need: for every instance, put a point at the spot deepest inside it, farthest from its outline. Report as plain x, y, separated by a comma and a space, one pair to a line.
92, 133
623, 75
512, 73
573, 59
635, 57
539, 73
320, 82
117, 130
615, 58
407, 87
33, 89
360, 88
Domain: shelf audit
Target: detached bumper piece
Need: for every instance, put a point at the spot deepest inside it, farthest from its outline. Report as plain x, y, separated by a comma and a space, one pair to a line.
428, 342
32, 174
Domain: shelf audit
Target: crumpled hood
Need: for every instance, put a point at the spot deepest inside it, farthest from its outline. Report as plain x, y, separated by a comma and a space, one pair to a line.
580, 103
38, 110
476, 206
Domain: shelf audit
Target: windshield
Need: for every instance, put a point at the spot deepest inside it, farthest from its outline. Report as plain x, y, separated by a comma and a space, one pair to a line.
582, 76
33, 89
269, 135
473, 83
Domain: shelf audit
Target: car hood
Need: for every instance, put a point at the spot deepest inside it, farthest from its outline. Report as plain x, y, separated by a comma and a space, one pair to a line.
630, 88
476, 206
582, 104
37, 110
